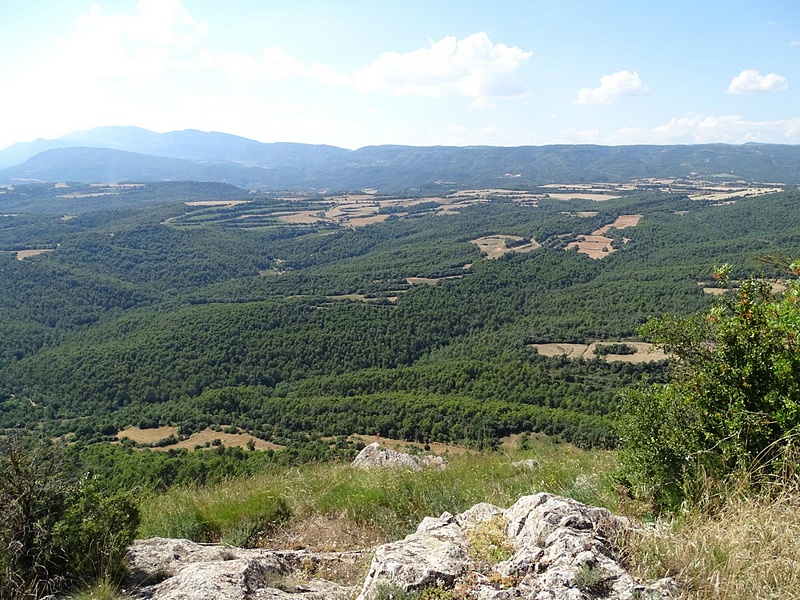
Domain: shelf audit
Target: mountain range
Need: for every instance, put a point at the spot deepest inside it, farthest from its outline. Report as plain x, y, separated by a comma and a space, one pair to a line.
113, 154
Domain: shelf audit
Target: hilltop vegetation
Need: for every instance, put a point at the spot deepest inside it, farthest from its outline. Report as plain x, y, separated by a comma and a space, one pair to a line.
141, 317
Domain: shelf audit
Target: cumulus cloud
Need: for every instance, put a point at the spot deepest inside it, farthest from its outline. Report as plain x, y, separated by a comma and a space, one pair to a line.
751, 80
705, 129
134, 48
472, 67
612, 87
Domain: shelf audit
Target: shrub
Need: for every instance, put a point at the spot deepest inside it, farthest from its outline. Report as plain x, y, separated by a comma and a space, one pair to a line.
56, 531
733, 402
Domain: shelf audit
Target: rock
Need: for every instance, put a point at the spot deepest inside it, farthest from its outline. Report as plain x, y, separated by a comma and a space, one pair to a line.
436, 554
373, 456
527, 463
166, 569
557, 548
544, 547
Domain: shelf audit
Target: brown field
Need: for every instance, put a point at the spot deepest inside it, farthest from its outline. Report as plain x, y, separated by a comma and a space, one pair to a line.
593, 246
362, 298
89, 195
147, 436
217, 202
23, 254
401, 445
645, 352
151, 436
777, 287
716, 194
495, 245
582, 196
714, 291
583, 213
429, 280
597, 245
300, 218
363, 221
622, 222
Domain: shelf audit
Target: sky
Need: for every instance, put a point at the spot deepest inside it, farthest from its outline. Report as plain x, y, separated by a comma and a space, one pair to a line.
419, 72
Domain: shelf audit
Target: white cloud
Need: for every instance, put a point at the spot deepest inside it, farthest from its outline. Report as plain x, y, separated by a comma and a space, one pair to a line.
613, 86
275, 63
794, 43
473, 67
702, 129
751, 80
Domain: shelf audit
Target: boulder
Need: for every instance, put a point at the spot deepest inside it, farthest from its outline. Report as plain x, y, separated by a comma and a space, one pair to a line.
376, 457
167, 569
553, 548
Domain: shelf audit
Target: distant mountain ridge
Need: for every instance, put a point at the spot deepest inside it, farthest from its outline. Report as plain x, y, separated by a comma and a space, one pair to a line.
133, 154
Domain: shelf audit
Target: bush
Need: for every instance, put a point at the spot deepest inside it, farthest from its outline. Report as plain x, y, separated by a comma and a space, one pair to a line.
56, 531
733, 403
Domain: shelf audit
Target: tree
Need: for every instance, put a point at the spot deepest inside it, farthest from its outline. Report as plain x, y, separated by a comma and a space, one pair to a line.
732, 404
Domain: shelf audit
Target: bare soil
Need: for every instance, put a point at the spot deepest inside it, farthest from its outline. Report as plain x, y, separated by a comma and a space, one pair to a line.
23, 254
495, 245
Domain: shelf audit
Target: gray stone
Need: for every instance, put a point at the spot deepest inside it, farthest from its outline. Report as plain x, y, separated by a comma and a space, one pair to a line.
376, 457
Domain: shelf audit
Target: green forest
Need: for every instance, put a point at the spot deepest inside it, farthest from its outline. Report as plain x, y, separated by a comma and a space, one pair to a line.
146, 311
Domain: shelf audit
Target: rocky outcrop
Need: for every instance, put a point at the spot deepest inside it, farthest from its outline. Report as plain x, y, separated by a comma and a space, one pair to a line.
166, 569
544, 547
376, 457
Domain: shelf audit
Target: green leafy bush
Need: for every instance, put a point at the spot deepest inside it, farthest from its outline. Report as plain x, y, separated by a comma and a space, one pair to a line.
733, 403
56, 531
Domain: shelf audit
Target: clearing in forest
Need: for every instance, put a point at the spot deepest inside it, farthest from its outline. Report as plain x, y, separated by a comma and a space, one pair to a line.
495, 245
645, 352
596, 245
23, 254
229, 440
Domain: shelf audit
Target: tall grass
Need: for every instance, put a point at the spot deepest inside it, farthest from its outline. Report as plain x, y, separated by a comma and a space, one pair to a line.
740, 545
388, 502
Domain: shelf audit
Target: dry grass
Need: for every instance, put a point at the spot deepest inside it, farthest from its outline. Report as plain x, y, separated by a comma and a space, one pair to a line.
748, 550
156, 434
495, 245
645, 352
23, 254
147, 436
403, 446
216, 202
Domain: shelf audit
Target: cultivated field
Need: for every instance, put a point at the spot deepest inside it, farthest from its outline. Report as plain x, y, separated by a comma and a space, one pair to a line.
23, 254
201, 438
597, 245
645, 352
495, 245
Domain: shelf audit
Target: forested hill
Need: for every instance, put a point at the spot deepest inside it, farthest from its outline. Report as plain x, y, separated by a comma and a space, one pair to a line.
264, 316
114, 154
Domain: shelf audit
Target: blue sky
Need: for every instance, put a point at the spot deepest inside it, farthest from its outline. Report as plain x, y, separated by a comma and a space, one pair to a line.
357, 73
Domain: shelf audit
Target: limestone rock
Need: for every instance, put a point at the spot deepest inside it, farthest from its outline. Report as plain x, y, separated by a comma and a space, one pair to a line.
558, 549
374, 456
166, 569
436, 554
